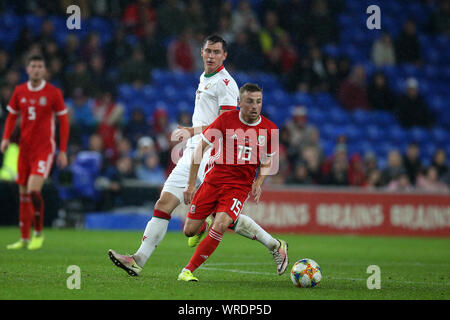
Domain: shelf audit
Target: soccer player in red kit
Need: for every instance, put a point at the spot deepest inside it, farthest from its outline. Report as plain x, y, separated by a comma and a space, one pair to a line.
37, 103
242, 142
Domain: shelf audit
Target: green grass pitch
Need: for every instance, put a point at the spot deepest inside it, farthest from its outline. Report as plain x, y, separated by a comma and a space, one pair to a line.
240, 269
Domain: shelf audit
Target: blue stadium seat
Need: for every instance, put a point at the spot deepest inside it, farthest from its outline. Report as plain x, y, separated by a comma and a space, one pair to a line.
361, 117
397, 134
304, 99
375, 133
419, 135
440, 135
85, 169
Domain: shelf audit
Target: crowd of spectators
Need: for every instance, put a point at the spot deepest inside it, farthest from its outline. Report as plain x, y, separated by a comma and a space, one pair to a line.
284, 40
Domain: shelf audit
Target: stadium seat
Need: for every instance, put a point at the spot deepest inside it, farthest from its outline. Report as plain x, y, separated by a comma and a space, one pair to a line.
85, 170
419, 135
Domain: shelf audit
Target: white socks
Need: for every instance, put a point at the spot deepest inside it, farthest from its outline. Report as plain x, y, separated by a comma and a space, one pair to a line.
248, 228
154, 232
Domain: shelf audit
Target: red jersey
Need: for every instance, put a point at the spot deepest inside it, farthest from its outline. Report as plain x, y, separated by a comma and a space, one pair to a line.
238, 148
37, 107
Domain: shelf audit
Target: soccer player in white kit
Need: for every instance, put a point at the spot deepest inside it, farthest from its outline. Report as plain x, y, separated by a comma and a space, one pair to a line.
217, 92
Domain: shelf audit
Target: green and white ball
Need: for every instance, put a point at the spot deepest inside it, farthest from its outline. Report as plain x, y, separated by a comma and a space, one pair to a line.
306, 273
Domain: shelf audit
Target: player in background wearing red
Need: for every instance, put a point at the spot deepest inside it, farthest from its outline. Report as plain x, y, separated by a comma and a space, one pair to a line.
37, 103
241, 142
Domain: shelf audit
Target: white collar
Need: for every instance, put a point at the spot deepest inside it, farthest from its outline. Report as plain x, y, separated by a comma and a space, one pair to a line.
249, 124
40, 87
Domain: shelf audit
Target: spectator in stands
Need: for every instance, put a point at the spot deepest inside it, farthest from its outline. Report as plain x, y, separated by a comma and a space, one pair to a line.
153, 46
241, 55
244, 18
150, 171
394, 168
344, 68
439, 162
400, 183
439, 21
356, 171
137, 15
270, 32
145, 146
136, 70
300, 174
411, 162
46, 33
380, 96
411, 109
331, 81
383, 51
137, 127
195, 15
302, 77
338, 174
430, 181
311, 154
225, 29
108, 114
124, 148
171, 18
161, 130
71, 51
98, 74
4, 64
91, 46
407, 45
373, 179
111, 183
55, 72
352, 92
297, 128
77, 78
321, 23
318, 63
82, 120
179, 52
117, 49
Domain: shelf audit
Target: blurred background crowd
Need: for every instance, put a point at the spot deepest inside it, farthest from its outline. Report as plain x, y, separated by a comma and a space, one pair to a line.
355, 107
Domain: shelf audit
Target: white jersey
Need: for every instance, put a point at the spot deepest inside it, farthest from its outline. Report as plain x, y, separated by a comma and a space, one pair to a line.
215, 92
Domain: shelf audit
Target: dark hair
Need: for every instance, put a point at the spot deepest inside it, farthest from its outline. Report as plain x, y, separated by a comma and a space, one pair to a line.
250, 87
35, 57
214, 39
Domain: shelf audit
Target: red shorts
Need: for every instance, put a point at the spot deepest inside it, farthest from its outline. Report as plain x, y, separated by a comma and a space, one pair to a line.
33, 164
211, 199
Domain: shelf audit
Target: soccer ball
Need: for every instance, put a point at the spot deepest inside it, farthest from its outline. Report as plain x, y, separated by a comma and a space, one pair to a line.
305, 273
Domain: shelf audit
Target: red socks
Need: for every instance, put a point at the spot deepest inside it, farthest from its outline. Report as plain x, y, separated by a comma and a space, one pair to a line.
25, 215
204, 250
38, 206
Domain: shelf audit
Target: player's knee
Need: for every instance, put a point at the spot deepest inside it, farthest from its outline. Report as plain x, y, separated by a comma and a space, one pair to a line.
188, 231
36, 199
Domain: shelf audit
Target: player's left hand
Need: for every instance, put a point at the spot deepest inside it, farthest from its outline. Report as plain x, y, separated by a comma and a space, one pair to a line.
256, 191
61, 160
189, 194
181, 133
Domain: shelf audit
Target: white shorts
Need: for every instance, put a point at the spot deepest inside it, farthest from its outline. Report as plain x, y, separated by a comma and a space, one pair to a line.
178, 178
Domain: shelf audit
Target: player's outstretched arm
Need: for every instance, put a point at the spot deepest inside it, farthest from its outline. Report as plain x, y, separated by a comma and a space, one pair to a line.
184, 133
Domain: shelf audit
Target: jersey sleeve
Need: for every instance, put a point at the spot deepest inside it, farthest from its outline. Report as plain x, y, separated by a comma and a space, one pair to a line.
214, 131
59, 105
13, 105
227, 93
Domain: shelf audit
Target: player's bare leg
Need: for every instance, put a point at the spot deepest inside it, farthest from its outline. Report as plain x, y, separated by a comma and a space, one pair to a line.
25, 219
207, 246
34, 187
